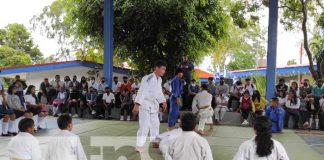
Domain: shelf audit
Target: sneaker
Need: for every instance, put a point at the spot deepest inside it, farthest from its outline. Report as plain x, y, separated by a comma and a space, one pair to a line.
12, 133
121, 118
93, 112
128, 118
75, 116
5, 135
139, 149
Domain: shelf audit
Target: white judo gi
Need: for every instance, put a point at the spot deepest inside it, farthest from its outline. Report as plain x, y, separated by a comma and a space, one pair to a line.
166, 137
65, 145
202, 104
24, 146
247, 151
149, 96
189, 146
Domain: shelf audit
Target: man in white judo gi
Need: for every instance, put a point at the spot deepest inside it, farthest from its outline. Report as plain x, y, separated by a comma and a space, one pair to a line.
25, 145
201, 105
189, 145
147, 102
65, 145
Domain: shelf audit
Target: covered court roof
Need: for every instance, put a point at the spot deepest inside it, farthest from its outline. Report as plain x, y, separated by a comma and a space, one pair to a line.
55, 66
294, 69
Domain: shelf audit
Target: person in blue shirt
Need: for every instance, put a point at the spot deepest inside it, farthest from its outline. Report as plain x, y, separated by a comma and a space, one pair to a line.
276, 114
177, 87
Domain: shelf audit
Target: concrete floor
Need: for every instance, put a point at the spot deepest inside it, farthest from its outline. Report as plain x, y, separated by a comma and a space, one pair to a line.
112, 140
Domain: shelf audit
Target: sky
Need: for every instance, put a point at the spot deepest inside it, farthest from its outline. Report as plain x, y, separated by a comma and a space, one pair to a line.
21, 11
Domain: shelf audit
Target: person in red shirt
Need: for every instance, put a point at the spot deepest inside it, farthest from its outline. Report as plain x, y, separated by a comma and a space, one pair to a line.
126, 84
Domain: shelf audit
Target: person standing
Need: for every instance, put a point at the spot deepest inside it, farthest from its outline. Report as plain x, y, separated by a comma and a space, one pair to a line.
223, 86
187, 67
147, 102
193, 91
175, 99
305, 88
249, 86
281, 86
136, 84
20, 85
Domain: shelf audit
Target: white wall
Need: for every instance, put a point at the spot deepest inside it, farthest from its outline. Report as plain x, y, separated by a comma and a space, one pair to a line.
36, 78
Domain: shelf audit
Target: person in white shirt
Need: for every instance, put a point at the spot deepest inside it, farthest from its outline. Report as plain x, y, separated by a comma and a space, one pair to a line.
108, 100
189, 145
93, 83
202, 101
25, 145
282, 98
162, 140
65, 144
136, 84
147, 102
249, 86
115, 85
292, 109
221, 106
261, 146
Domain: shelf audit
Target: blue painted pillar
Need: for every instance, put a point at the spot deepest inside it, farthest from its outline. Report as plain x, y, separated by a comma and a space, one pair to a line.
108, 41
272, 49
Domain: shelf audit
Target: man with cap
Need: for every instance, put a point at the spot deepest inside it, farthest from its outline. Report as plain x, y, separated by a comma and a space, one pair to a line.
276, 114
175, 99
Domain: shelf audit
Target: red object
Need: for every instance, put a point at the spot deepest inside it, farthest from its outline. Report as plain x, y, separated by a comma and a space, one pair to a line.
203, 74
246, 103
123, 86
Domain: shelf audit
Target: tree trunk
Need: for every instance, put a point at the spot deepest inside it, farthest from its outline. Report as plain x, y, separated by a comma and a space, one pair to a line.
306, 46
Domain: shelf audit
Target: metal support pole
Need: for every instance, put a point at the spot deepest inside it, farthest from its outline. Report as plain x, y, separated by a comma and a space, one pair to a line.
272, 49
108, 41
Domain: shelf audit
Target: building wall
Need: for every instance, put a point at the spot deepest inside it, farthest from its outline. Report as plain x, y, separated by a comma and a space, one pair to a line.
36, 78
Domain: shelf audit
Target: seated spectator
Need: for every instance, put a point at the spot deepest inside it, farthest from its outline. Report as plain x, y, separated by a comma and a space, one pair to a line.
276, 114
136, 84
282, 98
55, 85
43, 97
221, 106
67, 82
14, 103
235, 95
321, 114
92, 100
25, 146
93, 83
83, 102
126, 104
61, 99
83, 83
249, 86
189, 145
294, 86
304, 110
75, 82
258, 103
74, 101
193, 89
305, 88
223, 86
125, 84
281, 86
314, 110
20, 85
261, 146
108, 100
8, 117
292, 109
102, 86
45, 90
39, 110
245, 107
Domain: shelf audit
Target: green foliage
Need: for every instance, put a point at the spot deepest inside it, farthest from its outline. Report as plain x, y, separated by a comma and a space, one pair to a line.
17, 37
242, 61
11, 57
260, 83
144, 30
291, 62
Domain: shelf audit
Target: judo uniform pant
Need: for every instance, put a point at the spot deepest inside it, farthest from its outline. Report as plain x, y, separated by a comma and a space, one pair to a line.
219, 113
148, 123
205, 116
174, 112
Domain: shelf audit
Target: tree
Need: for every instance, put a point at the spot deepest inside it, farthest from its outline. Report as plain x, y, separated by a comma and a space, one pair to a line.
11, 57
17, 37
144, 30
291, 62
242, 61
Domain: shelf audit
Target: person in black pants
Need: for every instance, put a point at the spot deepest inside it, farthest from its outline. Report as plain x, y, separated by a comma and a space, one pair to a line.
126, 104
74, 101
108, 100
